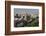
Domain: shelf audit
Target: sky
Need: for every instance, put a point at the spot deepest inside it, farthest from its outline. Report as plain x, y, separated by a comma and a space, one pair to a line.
22, 10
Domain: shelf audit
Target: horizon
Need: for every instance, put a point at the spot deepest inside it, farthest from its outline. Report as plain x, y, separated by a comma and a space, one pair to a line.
23, 10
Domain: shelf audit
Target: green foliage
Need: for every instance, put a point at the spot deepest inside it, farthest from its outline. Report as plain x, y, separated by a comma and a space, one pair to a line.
28, 17
33, 23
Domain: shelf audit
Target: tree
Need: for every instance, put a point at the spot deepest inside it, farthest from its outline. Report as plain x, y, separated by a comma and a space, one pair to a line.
16, 15
28, 17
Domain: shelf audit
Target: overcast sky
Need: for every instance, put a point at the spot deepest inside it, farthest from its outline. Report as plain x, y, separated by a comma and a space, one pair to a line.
22, 10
